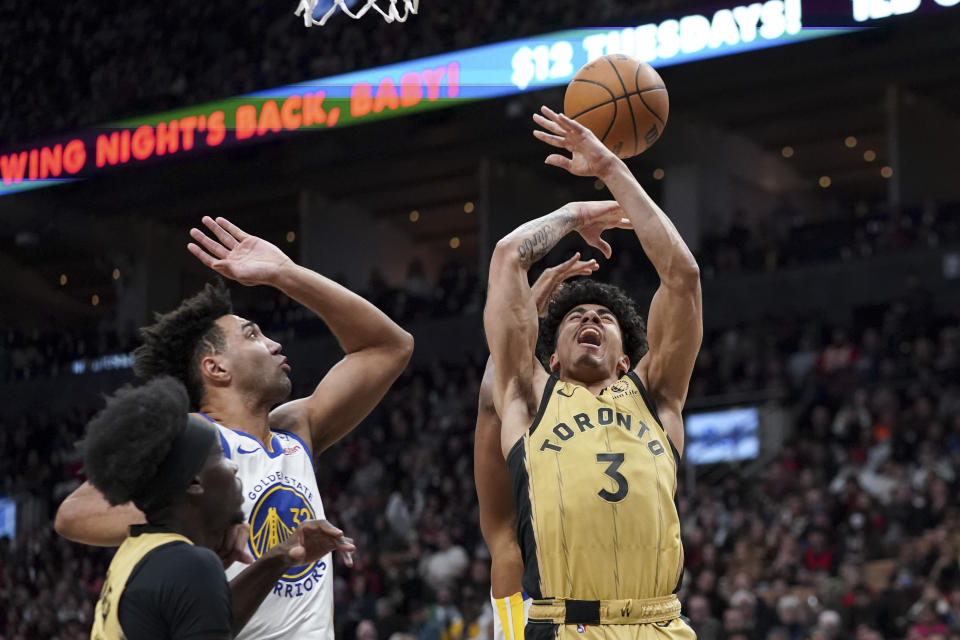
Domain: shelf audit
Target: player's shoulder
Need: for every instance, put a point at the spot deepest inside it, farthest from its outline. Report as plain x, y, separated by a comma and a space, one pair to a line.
168, 564
291, 442
178, 586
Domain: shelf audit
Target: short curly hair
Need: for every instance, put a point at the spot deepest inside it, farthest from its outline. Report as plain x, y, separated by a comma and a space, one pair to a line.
178, 340
131, 436
586, 291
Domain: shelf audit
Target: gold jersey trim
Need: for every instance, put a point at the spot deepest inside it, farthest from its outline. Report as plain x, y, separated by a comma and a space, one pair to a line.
106, 623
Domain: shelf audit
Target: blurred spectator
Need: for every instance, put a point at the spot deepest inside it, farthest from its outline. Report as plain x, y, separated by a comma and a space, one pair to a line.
702, 621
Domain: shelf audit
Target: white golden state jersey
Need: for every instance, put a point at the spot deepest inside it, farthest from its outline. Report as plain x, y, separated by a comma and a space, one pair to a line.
280, 492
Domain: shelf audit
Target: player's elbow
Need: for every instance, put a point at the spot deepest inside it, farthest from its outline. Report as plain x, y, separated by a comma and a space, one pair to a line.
684, 274
404, 348
400, 351
67, 520
504, 254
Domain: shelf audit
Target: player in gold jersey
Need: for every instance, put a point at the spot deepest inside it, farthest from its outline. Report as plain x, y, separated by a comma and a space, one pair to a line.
497, 514
593, 446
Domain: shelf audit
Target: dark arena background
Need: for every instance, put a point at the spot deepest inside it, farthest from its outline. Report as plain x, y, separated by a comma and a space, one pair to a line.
810, 162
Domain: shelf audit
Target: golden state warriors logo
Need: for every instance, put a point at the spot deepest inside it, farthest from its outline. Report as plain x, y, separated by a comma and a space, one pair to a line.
274, 518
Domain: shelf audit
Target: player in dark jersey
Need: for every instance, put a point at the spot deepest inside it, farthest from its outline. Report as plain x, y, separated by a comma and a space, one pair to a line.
497, 515
165, 582
592, 447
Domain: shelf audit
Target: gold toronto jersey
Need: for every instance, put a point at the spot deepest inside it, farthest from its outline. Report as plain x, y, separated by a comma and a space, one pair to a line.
594, 480
106, 624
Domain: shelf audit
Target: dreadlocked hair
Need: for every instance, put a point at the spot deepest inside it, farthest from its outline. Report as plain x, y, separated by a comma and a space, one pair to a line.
574, 293
177, 341
127, 440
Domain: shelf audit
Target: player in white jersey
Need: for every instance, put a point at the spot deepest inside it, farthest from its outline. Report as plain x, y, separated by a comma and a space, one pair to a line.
237, 378
498, 522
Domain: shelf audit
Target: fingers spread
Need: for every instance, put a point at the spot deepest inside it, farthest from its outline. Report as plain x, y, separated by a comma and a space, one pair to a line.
549, 125
234, 230
558, 160
209, 243
222, 234
201, 255
552, 140
550, 113
571, 125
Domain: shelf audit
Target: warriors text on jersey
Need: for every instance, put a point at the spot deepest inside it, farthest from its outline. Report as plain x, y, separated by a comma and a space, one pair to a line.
594, 481
280, 492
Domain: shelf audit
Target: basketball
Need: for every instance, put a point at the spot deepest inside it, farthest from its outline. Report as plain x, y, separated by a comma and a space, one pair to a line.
622, 100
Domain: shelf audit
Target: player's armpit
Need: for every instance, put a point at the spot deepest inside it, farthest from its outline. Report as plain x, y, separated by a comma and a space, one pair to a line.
344, 397
376, 352
86, 517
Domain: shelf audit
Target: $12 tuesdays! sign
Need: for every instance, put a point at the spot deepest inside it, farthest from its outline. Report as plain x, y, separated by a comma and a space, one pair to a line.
484, 72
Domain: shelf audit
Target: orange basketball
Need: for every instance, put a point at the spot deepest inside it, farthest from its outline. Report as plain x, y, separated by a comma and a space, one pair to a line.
622, 100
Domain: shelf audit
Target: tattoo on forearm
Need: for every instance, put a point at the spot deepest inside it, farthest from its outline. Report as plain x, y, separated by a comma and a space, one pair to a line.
537, 237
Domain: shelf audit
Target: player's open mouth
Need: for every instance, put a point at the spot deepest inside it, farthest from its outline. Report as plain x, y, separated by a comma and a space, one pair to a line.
589, 336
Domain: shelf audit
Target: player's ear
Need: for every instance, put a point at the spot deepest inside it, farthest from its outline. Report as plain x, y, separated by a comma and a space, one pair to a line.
214, 368
554, 362
623, 364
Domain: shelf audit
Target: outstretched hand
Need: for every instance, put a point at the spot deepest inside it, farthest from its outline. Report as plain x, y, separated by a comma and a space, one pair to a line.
553, 277
236, 254
589, 156
593, 218
314, 539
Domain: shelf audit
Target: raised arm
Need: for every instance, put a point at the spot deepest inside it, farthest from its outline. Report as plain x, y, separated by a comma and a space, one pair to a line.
510, 315
675, 319
86, 517
376, 349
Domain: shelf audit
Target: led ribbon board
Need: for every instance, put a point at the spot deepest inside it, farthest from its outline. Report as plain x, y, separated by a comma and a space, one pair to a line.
484, 72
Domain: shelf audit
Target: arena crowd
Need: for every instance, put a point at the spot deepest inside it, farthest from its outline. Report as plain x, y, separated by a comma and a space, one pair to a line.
851, 531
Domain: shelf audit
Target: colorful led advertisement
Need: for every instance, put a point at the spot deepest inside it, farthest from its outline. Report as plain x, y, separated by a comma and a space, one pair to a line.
480, 73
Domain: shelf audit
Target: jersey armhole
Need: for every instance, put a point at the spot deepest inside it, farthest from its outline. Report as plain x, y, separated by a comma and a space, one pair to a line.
652, 406
544, 401
306, 447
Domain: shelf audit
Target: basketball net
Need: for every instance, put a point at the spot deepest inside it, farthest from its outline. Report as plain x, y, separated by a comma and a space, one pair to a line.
390, 14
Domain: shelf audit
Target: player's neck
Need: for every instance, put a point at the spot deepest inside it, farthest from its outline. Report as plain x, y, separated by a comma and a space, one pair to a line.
239, 414
594, 386
193, 528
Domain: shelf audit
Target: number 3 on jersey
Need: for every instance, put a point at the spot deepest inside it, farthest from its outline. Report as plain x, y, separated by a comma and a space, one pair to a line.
612, 470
